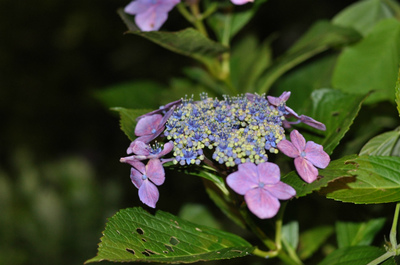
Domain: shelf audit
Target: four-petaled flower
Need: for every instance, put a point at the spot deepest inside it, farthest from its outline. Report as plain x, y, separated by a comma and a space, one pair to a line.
145, 178
261, 186
307, 156
150, 14
144, 151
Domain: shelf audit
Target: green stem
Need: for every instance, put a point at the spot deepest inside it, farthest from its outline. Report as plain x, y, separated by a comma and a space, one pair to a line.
198, 19
384, 257
393, 231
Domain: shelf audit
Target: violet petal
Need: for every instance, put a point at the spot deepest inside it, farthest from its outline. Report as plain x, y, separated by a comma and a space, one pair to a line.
148, 193
261, 203
305, 169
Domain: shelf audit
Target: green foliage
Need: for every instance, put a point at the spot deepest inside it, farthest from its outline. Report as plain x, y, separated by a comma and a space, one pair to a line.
385, 144
128, 120
372, 63
356, 255
136, 235
312, 239
397, 92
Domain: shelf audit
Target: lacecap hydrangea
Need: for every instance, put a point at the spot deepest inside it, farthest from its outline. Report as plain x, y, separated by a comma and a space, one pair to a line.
235, 134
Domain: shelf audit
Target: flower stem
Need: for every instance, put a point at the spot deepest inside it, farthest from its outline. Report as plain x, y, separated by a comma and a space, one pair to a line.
393, 231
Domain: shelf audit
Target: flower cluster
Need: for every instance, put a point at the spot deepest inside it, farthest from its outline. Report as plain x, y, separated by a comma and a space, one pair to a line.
150, 15
236, 134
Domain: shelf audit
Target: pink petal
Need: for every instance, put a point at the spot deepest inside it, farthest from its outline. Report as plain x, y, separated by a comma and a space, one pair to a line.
241, 2
167, 148
136, 7
155, 171
132, 160
139, 148
261, 203
150, 20
305, 169
162, 109
298, 140
240, 181
281, 190
292, 112
268, 173
277, 101
136, 178
148, 193
140, 167
288, 149
311, 122
146, 125
316, 155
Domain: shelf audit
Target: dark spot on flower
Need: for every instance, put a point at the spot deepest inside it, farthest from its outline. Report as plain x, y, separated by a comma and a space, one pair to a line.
169, 248
130, 251
173, 241
140, 231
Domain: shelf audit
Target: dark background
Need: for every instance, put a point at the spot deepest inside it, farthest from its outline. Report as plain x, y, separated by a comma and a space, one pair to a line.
60, 176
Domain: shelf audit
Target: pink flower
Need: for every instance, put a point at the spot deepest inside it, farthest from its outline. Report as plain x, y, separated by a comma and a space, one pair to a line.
280, 102
307, 156
241, 2
261, 186
145, 178
150, 14
144, 151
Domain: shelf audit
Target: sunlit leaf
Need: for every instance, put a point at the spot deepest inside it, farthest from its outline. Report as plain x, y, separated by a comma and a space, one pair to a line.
397, 92
375, 180
372, 63
357, 234
385, 144
136, 235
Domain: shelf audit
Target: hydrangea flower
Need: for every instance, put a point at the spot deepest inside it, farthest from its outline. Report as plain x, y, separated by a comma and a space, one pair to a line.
261, 186
150, 14
307, 156
280, 103
145, 178
241, 2
144, 151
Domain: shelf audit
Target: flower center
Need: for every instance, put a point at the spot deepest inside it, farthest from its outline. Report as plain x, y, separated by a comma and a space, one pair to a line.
153, 131
144, 177
261, 185
303, 154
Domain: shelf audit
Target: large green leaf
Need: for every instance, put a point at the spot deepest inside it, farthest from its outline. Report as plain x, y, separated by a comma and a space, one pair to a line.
136, 235
357, 234
336, 169
357, 255
128, 121
136, 95
337, 110
371, 64
397, 92
385, 144
320, 37
363, 15
311, 240
375, 180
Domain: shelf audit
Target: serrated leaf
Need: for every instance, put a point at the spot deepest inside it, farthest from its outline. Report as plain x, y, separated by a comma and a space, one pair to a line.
336, 169
357, 255
385, 144
357, 234
137, 95
134, 235
320, 37
372, 63
188, 42
128, 121
363, 15
311, 240
375, 180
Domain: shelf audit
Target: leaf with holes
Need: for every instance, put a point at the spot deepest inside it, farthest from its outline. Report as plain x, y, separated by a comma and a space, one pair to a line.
134, 235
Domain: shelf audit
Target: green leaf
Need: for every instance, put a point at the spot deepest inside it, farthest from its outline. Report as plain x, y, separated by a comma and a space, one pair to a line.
230, 23
371, 64
128, 121
336, 109
290, 235
385, 144
311, 240
198, 214
356, 255
363, 15
319, 38
397, 92
336, 169
375, 180
135, 95
357, 234
188, 42
134, 235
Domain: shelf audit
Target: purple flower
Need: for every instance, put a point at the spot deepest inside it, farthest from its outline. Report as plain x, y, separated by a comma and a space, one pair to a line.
144, 151
261, 186
281, 101
163, 109
306, 156
150, 127
150, 14
241, 2
145, 178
